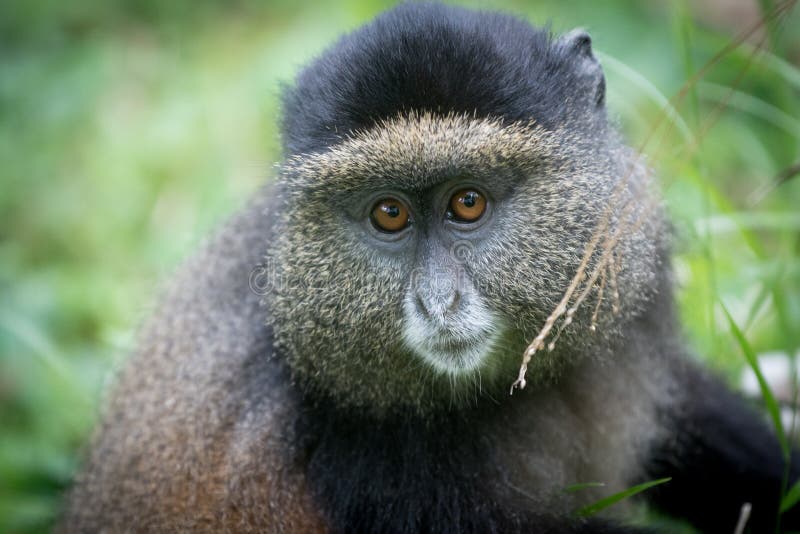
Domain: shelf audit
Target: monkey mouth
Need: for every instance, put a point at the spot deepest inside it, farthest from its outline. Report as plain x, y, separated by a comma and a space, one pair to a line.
452, 345
451, 354
456, 356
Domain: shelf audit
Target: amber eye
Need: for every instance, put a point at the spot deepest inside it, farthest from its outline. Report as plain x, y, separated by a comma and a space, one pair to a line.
390, 215
467, 205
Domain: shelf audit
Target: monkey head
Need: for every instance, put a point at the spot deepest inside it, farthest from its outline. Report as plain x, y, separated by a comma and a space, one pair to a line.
435, 208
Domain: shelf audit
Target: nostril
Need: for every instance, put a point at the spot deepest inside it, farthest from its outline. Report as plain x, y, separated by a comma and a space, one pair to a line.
441, 307
454, 302
421, 308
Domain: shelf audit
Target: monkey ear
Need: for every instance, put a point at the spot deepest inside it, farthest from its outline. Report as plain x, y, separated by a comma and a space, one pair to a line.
577, 45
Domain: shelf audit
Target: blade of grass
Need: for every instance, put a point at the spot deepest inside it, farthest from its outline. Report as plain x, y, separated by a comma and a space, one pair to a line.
41, 347
783, 309
783, 68
781, 178
611, 500
769, 399
685, 24
792, 495
752, 105
791, 498
758, 303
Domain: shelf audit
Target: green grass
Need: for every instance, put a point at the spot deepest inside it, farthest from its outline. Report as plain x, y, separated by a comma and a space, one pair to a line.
128, 131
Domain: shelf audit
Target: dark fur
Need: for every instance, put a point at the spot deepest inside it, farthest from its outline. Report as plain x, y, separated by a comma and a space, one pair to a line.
722, 454
437, 474
214, 427
436, 58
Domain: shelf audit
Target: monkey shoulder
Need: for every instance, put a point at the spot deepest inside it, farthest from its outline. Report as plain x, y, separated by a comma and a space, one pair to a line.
197, 433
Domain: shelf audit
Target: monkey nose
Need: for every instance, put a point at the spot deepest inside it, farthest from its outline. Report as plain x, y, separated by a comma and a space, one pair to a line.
437, 305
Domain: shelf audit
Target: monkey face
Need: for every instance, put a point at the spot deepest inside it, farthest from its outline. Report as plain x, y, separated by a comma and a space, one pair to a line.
446, 321
416, 257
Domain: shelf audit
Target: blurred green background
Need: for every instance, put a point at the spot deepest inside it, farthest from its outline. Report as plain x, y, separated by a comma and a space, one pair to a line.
129, 129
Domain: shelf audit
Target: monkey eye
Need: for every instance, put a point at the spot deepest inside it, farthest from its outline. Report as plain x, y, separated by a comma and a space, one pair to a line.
390, 215
467, 205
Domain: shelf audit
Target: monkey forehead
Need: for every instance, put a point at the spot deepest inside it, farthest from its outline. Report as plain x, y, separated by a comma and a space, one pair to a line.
418, 150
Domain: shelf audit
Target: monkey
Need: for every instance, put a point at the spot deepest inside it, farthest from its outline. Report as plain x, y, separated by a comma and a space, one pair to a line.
337, 358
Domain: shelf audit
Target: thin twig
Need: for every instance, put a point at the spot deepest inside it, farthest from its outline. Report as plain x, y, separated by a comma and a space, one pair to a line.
781, 178
593, 325
538, 342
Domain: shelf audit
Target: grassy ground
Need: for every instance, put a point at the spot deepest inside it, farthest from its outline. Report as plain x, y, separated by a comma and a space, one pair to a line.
128, 130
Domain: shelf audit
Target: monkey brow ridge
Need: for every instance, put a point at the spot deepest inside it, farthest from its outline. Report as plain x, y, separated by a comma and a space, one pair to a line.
414, 149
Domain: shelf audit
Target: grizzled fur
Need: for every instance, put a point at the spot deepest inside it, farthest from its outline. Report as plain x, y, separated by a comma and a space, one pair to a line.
522, 272
300, 409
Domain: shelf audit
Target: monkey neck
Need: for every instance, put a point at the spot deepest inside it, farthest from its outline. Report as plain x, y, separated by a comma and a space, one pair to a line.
472, 455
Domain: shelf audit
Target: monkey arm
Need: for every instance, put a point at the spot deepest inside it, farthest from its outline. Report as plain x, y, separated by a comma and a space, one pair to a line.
720, 455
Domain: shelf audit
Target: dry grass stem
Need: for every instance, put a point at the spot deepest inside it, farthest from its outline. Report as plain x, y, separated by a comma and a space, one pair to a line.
626, 226
538, 342
593, 325
613, 270
607, 263
744, 517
